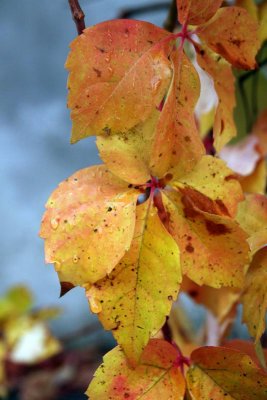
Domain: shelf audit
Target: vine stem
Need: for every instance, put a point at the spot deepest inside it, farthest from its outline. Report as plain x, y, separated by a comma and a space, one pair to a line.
77, 15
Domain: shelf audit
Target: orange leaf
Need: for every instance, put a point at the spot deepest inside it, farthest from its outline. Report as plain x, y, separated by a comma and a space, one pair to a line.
254, 298
219, 373
168, 142
213, 248
233, 34
135, 299
88, 225
221, 72
156, 377
245, 347
196, 12
119, 74
177, 145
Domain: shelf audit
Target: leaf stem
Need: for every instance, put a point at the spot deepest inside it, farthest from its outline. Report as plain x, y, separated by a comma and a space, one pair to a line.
77, 15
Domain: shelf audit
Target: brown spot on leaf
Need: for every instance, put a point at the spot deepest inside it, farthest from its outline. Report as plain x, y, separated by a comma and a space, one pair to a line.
216, 229
98, 72
189, 248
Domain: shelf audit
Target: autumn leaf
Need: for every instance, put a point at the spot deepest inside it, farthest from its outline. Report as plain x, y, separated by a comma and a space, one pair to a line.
246, 347
213, 179
213, 247
88, 225
221, 72
227, 34
196, 12
250, 6
168, 142
156, 377
218, 373
219, 301
252, 217
254, 298
135, 299
119, 74
177, 145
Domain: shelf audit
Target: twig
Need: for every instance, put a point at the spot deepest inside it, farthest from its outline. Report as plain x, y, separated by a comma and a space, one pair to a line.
171, 19
77, 15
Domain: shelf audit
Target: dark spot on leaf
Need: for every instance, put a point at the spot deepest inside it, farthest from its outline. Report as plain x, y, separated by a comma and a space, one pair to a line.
98, 72
216, 229
189, 248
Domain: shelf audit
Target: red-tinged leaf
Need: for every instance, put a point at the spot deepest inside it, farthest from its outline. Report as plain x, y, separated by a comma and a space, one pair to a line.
196, 12
245, 347
227, 34
135, 299
156, 378
221, 373
119, 74
168, 142
254, 298
260, 127
219, 301
213, 248
224, 83
88, 225
177, 145
213, 179
252, 217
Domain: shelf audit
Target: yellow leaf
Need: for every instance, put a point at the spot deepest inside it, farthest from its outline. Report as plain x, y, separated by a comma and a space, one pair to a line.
213, 247
254, 298
220, 373
227, 34
212, 178
256, 182
252, 217
156, 378
196, 12
119, 74
88, 225
15, 302
224, 83
135, 299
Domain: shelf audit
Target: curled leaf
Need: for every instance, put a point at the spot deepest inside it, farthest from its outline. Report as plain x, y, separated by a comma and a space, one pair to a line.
213, 247
221, 72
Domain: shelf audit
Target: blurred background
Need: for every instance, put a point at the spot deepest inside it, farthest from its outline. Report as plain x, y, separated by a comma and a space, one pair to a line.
35, 156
